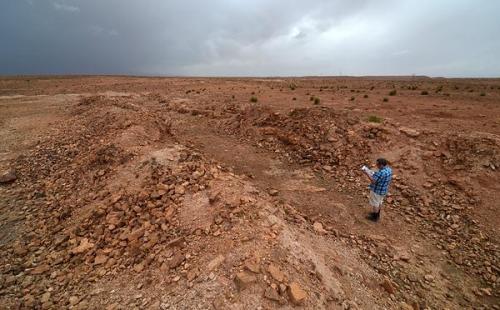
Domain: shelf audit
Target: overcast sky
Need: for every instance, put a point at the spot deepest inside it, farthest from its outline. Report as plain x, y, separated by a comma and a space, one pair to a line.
251, 37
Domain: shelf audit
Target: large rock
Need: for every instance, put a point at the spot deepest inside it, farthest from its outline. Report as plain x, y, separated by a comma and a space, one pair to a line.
296, 293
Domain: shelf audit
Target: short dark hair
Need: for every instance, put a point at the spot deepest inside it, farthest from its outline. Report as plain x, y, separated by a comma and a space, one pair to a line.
382, 162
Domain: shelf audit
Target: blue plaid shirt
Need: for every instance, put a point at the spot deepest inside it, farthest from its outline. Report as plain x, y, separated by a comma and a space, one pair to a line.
381, 181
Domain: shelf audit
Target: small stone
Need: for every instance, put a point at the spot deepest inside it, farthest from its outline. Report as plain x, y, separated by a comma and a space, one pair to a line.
244, 279
214, 263
272, 294
296, 293
276, 273
45, 297
29, 301
191, 275
429, 277
273, 192
73, 300
40, 269
318, 227
136, 234
176, 261
84, 246
388, 286
8, 176
139, 267
252, 266
100, 259
409, 132
175, 242
180, 190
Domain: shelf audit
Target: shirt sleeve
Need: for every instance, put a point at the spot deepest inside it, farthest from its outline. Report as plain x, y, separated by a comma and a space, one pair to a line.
376, 176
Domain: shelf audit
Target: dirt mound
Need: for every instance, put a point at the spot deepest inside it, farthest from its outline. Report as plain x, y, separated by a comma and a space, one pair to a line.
472, 151
320, 136
100, 207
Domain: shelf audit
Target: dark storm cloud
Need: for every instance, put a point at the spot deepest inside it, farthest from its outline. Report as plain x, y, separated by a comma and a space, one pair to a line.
262, 37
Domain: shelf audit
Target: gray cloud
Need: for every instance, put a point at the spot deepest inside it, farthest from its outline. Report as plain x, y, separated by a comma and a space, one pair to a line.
261, 37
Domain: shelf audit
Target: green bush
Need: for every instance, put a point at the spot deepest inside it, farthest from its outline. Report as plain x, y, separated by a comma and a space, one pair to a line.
482, 94
317, 100
375, 119
424, 93
392, 92
253, 99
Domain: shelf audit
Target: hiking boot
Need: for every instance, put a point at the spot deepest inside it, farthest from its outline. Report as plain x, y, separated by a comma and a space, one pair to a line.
374, 217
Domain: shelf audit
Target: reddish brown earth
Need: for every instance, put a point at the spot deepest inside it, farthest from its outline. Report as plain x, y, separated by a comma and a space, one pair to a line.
181, 193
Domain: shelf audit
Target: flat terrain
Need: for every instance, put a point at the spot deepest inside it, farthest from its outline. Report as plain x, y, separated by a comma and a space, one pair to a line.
215, 193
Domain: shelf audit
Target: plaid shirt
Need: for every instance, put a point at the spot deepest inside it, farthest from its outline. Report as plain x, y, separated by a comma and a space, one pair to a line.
381, 181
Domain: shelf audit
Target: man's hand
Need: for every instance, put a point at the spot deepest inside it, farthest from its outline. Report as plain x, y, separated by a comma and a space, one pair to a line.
368, 173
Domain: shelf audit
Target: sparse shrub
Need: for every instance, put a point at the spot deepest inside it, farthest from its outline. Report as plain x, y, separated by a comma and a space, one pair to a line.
365, 96
352, 98
311, 98
253, 99
393, 92
424, 93
385, 99
375, 119
233, 97
317, 101
253, 93
482, 94
372, 88
294, 98
440, 88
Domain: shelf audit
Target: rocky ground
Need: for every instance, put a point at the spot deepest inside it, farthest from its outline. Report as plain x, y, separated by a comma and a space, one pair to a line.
185, 193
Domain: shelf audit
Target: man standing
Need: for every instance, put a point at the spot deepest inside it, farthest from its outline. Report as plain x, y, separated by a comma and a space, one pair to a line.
379, 186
